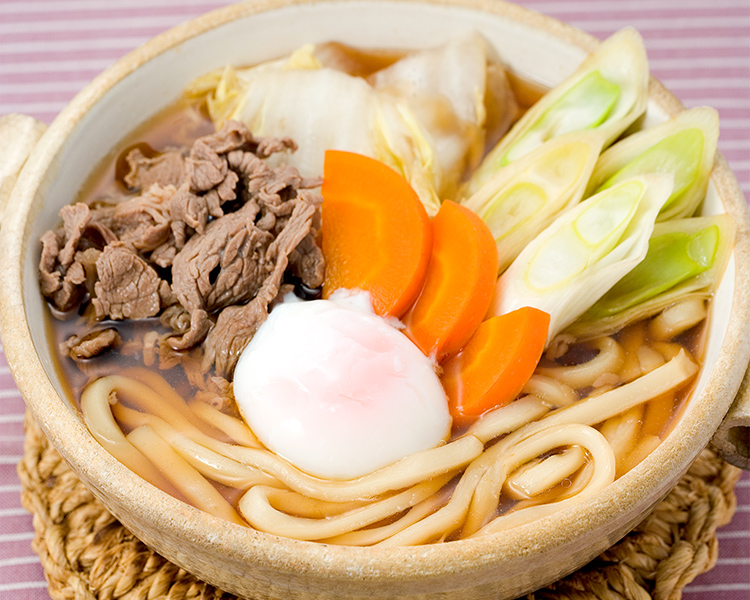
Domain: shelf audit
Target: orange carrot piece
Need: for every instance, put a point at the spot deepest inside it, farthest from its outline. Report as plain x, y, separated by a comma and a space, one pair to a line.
376, 233
493, 367
459, 285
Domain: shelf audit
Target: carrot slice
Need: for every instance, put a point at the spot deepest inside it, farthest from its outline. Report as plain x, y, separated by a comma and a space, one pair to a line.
376, 232
459, 284
495, 364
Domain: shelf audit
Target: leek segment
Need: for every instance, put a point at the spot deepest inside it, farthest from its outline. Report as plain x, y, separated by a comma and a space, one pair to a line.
672, 258
685, 259
584, 252
585, 106
607, 92
520, 200
684, 147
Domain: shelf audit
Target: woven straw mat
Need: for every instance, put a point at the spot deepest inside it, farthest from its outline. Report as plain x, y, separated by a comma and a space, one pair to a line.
87, 554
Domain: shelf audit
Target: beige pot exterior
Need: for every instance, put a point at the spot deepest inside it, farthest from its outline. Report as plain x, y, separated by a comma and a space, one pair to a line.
258, 565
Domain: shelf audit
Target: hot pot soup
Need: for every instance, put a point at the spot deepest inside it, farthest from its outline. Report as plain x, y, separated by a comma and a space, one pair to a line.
428, 310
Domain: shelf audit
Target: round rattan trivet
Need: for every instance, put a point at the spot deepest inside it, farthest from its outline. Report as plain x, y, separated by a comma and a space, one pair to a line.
86, 553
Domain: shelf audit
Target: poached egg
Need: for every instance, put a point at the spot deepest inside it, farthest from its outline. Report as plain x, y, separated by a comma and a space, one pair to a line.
338, 391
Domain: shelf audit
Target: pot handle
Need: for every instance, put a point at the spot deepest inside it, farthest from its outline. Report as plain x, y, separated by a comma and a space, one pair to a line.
20, 134
732, 439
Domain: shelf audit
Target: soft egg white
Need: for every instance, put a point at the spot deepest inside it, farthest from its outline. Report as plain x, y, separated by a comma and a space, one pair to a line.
337, 391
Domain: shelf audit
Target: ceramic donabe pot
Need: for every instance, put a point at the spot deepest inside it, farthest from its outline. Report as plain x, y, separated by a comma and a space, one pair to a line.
258, 565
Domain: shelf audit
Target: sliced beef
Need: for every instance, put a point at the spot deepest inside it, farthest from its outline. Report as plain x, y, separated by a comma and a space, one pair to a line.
83, 228
190, 212
128, 288
210, 182
224, 265
207, 244
167, 168
237, 324
71, 289
271, 188
91, 344
306, 263
75, 219
200, 325
62, 274
143, 222
49, 274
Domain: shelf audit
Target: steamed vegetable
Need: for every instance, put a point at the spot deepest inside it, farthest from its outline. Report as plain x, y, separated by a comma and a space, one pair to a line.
585, 251
684, 147
459, 283
520, 200
423, 115
437, 95
685, 259
607, 92
493, 367
376, 233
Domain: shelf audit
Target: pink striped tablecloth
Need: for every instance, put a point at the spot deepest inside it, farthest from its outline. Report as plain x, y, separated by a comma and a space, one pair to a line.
49, 49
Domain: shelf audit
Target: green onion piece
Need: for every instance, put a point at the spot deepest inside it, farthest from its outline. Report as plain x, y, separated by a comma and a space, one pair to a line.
672, 258
679, 154
606, 93
568, 267
583, 241
520, 200
510, 208
584, 106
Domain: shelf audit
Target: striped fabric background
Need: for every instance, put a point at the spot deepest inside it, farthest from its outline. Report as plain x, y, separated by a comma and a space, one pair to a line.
50, 48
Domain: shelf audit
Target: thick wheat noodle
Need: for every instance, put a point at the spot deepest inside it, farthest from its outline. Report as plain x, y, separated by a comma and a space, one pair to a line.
233, 428
508, 418
649, 358
608, 360
287, 501
449, 517
212, 464
167, 395
589, 412
143, 397
183, 476
578, 480
414, 474
677, 318
98, 418
553, 392
604, 473
487, 494
375, 535
622, 431
539, 475
256, 507
596, 409
667, 349
406, 472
